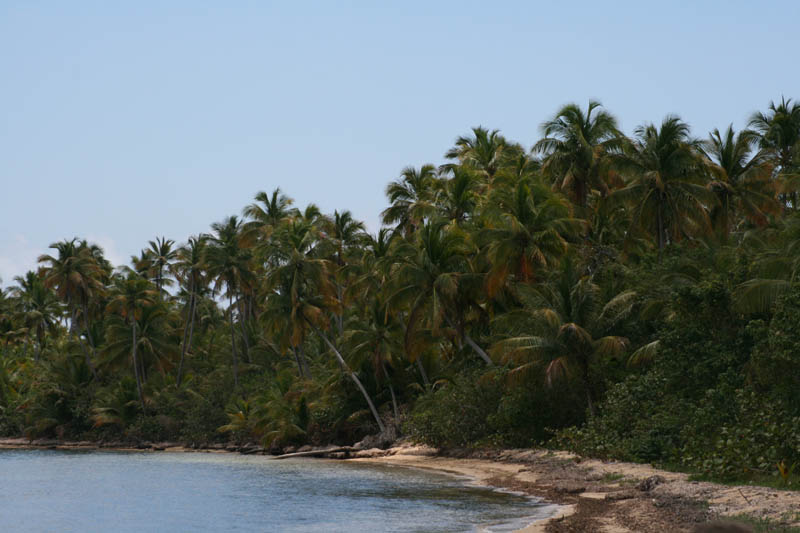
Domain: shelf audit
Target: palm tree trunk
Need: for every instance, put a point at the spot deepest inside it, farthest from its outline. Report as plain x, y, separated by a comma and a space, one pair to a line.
391, 391
136, 367
301, 353
73, 321
233, 344
352, 375
424, 374
588, 387
189, 326
478, 350
242, 318
299, 365
660, 229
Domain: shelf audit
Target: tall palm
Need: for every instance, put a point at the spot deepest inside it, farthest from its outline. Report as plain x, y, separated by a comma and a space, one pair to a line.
376, 337
132, 294
563, 326
76, 276
740, 178
161, 253
189, 268
265, 214
305, 285
575, 148
429, 278
457, 198
228, 263
779, 137
40, 308
485, 152
411, 198
528, 228
666, 179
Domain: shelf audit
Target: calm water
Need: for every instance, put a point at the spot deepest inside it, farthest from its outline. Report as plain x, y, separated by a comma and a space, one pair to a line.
49, 490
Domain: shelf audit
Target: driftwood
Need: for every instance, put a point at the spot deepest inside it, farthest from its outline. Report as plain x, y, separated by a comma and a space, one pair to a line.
317, 453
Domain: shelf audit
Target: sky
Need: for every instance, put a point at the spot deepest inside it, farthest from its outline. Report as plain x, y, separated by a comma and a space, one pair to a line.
124, 121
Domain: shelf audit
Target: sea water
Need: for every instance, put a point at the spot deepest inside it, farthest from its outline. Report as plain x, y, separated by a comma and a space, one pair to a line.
86, 491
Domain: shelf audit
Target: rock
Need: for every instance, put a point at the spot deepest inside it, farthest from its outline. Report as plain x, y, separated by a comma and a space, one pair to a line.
593, 495
382, 440
305, 448
369, 454
621, 495
289, 449
646, 485
571, 489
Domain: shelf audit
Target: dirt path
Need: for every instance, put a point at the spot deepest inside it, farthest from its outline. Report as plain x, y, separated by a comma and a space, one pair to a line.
597, 496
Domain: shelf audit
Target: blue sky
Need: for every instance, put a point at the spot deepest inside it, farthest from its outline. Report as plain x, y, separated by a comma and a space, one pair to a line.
120, 122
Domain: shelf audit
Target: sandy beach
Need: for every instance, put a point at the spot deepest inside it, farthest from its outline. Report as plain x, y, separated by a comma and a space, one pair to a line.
598, 496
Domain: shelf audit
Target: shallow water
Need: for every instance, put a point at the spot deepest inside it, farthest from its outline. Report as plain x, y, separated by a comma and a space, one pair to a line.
53, 490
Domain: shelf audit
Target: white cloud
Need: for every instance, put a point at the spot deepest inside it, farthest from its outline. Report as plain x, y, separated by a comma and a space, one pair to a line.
17, 256
109, 246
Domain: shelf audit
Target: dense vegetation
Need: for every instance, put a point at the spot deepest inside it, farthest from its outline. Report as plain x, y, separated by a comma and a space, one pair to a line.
626, 297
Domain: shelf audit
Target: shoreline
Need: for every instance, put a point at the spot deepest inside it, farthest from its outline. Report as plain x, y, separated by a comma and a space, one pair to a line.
592, 495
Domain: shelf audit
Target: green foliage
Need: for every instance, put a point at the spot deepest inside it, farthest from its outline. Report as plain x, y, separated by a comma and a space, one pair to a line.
478, 409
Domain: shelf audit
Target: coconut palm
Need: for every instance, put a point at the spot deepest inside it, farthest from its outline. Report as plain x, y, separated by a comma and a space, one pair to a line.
76, 276
305, 284
740, 178
427, 279
228, 264
40, 308
376, 338
563, 326
265, 214
779, 137
666, 179
575, 149
485, 152
411, 198
160, 254
189, 269
457, 198
527, 229
131, 295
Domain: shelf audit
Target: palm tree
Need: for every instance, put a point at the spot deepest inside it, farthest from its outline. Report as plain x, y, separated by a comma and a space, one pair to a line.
228, 263
528, 228
666, 183
161, 254
411, 198
457, 198
575, 148
779, 137
75, 274
565, 327
740, 178
40, 308
427, 279
304, 285
132, 294
265, 214
485, 152
344, 234
189, 267
377, 338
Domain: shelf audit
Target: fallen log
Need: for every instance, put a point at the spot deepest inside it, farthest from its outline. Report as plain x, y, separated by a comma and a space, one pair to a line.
317, 453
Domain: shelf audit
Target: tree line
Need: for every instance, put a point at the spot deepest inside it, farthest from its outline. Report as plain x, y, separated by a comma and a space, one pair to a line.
560, 270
